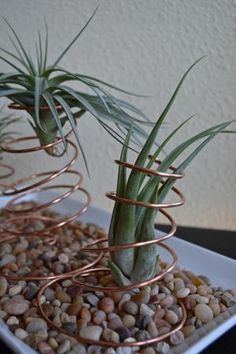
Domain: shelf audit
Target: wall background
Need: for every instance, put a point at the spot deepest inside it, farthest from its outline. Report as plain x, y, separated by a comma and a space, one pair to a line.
145, 46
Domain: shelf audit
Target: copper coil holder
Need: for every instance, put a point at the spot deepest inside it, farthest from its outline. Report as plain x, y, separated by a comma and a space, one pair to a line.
37, 183
98, 247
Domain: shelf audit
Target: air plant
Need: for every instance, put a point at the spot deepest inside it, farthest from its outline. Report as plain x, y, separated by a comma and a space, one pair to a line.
42, 90
133, 223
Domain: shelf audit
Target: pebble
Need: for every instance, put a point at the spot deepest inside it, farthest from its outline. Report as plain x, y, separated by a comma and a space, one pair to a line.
128, 321
63, 296
115, 323
163, 347
99, 317
142, 321
15, 290
178, 284
215, 308
64, 347
146, 310
13, 320
70, 327
147, 350
171, 317
110, 335
107, 305
152, 329
31, 291
228, 299
49, 294
125, 297
176, 338
123, 332
168, 277
123, 350
200, 299
142, 297
48, 309
182, 293
37, 325
21, 333
142, 335
130, 307
91, 332
94, 349
16, 306
21, 247
63, 258
3, 286
85, 314
92, 299
154, 290
188, 330
9, 258
203, 312
167, 301
44, 348
108, 351
53, 343
79, 349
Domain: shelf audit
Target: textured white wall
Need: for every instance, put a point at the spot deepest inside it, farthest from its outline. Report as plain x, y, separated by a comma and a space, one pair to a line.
145, 46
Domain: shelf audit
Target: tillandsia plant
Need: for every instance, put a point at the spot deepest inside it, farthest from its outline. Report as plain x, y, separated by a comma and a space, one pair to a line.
42, 90
133, 223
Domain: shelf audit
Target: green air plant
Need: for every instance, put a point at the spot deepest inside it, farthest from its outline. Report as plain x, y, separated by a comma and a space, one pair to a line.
131, 223
35, 85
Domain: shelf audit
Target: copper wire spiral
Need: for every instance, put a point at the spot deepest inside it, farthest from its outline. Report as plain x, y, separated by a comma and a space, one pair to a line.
14, 226
38, 183
100, 246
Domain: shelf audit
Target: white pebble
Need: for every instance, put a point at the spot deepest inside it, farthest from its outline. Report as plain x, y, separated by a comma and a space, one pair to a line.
21, 333
203, 313
13, 320
182, 293
63, 258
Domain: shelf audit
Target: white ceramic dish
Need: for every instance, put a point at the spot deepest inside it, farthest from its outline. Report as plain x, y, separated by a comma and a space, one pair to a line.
220, 269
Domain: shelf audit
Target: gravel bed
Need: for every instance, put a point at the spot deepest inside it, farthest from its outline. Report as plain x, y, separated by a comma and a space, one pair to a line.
122, 317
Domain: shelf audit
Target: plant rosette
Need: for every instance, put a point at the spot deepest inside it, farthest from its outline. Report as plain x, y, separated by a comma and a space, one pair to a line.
42, 90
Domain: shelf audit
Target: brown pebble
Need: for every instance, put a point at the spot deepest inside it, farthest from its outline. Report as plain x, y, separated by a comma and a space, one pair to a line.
142, 297
130, 307
48, 309
85, 315
107, 305
63, 296
171, 317
3, 286
74, 309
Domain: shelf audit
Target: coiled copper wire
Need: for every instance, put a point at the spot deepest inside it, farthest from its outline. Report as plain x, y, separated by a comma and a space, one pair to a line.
14, 226
19, 190
100, 246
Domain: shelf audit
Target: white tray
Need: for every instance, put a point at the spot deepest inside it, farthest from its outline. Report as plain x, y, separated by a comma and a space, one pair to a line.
220, 269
